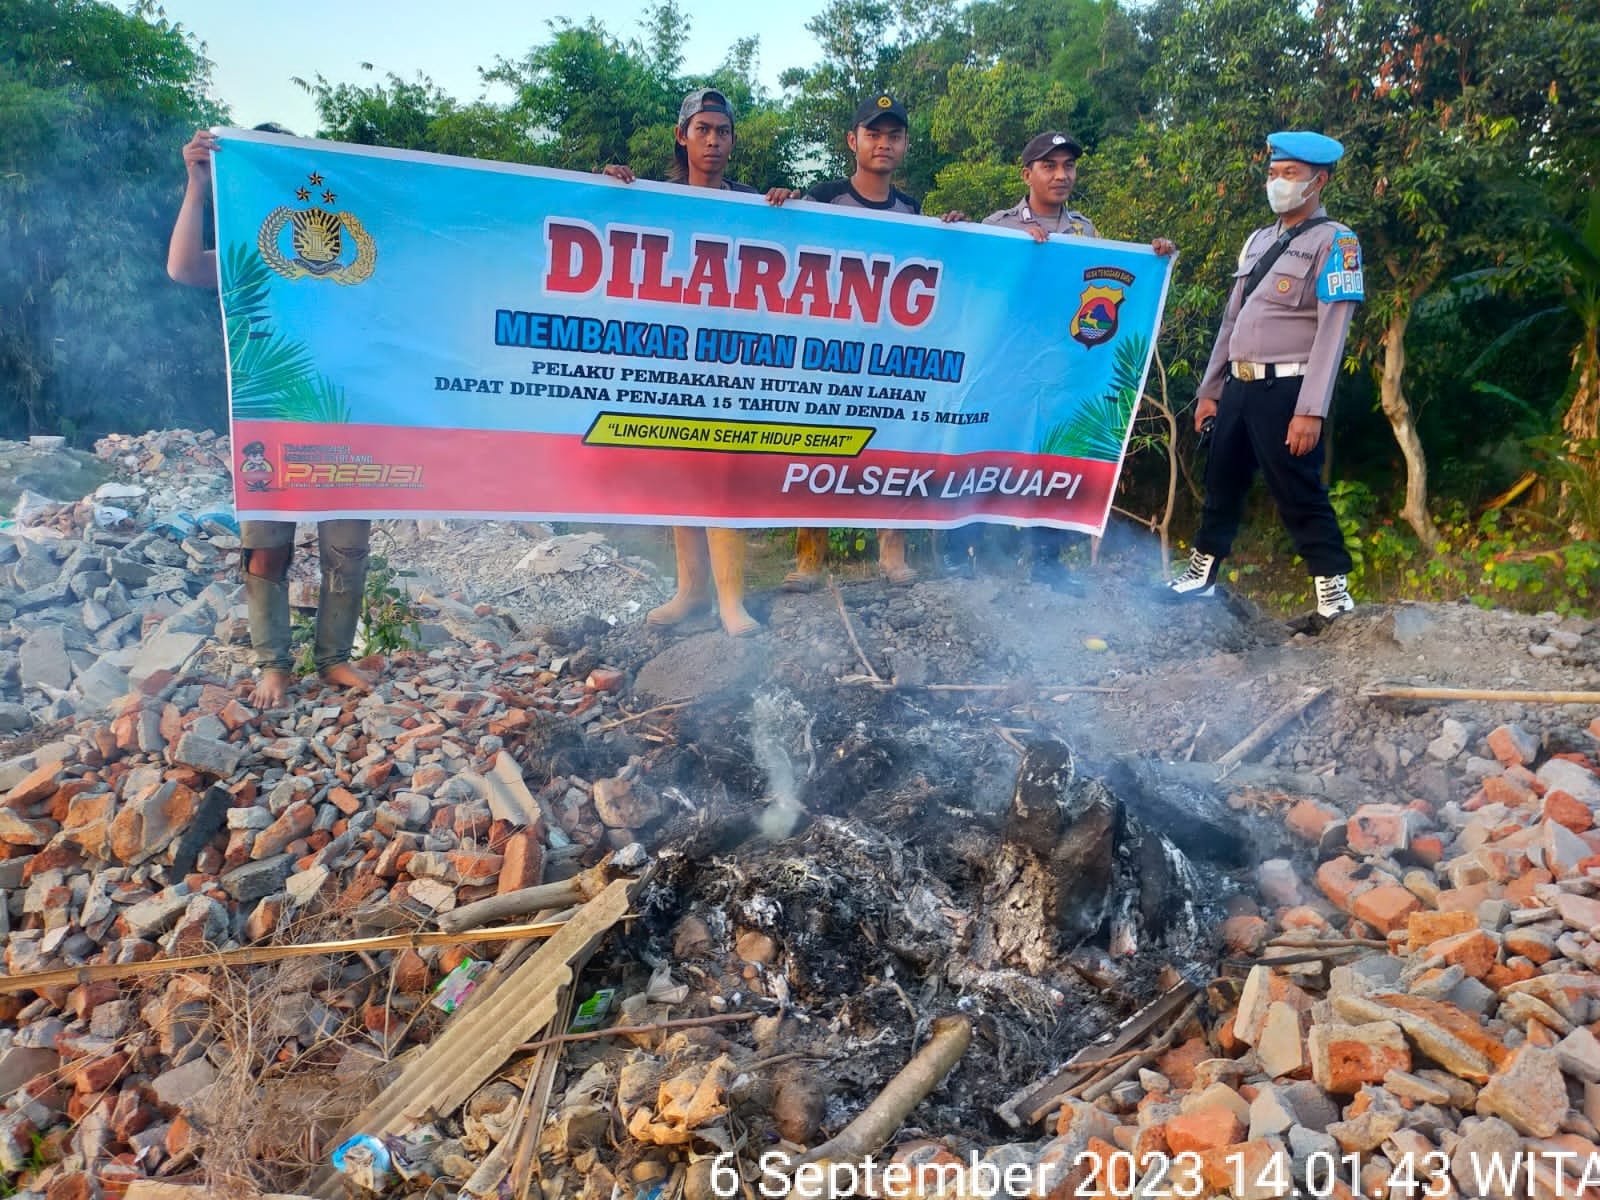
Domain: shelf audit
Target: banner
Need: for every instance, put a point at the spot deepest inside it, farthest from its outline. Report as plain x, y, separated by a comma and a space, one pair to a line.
412, 335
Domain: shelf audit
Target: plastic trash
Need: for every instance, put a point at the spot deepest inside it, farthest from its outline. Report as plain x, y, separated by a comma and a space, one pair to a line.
593, 1010
179, 524
108, 515
455, 987
365, 1160
219, 522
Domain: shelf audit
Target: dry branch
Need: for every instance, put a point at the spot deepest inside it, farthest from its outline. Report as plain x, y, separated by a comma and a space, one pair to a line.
1160, 1046
1276, 720
513, 904
253, 955
628, 1030
850, 630
880, 1120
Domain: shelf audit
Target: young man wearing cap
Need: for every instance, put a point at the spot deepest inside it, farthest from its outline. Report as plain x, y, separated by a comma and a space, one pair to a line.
710, 562
879, 137
1270, 380
267, 547
1050, 171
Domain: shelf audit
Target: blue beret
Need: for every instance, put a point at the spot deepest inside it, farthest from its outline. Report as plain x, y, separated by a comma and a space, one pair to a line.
1313, 149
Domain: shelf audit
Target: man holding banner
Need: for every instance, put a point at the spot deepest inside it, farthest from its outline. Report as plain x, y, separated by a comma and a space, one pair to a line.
879, 138
1050, 171
268, 546
493, 341
710, 562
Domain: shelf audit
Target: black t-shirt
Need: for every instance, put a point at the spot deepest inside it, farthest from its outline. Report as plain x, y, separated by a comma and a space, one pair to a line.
842, 191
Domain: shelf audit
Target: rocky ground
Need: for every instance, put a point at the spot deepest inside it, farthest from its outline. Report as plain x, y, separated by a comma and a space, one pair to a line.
863, 821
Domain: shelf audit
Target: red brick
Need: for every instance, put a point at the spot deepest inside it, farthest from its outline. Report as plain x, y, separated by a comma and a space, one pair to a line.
1310, 819
1428, 849
1520, 890
1207, 1129
1475, 952
1342, 879
33, 788
345, 801
1498, 789
1566, 809
605, 679
97, 1074
523, 867
1425, 928
1385, 908
411, 975
1343, 1057
1379, 829
1245, 934
1179, 1063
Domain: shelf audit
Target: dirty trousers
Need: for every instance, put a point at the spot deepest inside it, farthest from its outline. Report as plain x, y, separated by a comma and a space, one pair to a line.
1252, 422
342, 546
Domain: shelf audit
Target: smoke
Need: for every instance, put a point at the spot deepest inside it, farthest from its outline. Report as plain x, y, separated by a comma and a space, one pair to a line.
777, 723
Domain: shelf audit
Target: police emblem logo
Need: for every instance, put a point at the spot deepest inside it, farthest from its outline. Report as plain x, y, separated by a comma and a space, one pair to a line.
1342, 277
323, 244
1096, 319
1284, 285
255, 469
885, 102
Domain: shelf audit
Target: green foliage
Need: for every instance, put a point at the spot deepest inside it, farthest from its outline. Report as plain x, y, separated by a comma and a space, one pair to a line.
274, 378
94, 105
1097, 430
389, 620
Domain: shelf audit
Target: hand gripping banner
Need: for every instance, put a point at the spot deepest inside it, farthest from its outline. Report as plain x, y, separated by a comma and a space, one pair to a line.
411, 335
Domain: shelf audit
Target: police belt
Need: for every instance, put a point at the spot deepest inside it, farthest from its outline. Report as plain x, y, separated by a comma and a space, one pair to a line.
1249, 372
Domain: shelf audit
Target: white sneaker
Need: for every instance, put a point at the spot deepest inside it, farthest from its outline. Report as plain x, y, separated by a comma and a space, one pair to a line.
1200, 579
1333, 596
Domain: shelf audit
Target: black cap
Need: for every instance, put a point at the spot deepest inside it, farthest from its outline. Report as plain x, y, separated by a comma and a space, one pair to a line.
874, 108
703, 100
1048, 143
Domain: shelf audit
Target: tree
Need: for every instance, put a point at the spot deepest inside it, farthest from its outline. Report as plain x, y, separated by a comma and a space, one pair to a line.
95, 105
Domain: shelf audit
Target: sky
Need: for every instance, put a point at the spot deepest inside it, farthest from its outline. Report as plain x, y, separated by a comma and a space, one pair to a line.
257, 47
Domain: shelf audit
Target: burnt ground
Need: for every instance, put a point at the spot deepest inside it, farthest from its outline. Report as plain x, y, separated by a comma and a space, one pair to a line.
863, 828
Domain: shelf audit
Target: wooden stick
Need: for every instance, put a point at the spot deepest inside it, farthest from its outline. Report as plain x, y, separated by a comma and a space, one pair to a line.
513, 904
880, 1120
1033, 1102
1073, 689
1156, 1048
1516, 697
536, 1102
850, 630
1329, 943
625, 1030
669, 706
253, 955
1276, 720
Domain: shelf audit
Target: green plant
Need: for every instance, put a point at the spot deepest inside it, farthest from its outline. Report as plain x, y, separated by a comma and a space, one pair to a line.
389, 620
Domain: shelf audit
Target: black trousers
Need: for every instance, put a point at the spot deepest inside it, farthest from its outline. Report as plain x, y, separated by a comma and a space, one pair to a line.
1252, 423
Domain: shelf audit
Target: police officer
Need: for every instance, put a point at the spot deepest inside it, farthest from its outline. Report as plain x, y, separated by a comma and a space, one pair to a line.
1270, 379
879, 138
1050, 171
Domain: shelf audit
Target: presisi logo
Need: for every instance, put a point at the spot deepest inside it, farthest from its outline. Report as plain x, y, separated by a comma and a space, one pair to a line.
349, 474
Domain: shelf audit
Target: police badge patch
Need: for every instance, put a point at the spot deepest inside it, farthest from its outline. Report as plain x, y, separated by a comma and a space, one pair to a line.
1342, 278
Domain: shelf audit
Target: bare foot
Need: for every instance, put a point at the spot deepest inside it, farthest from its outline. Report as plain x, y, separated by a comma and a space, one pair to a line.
899, 576
736, 622
346, 676
680, 608
801, 581
270, 690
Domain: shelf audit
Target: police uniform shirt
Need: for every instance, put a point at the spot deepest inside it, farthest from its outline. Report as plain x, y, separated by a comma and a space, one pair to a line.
1299, 313
842, 191
1021, 216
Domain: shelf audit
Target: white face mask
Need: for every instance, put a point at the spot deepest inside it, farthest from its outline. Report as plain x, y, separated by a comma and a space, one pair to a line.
1286, 195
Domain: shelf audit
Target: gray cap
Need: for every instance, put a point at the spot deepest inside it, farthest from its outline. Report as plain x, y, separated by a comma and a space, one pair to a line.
703, 100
